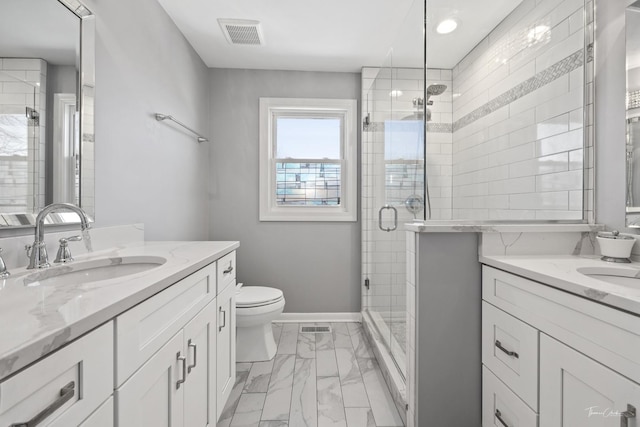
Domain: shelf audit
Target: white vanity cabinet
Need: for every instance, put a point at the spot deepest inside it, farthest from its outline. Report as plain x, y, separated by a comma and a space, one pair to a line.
226, 331
64, 388
175, 352
588, 372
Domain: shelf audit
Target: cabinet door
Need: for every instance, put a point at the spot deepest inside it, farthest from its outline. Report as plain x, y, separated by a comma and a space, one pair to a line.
200, 387
226, 345
152, 396
576, 391
102, 417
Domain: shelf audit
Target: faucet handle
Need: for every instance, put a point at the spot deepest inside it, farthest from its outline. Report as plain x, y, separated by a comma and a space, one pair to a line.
4, 273
64, 254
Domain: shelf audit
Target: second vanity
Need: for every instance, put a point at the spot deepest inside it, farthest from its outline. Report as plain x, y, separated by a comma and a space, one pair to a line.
559, 348
154, 347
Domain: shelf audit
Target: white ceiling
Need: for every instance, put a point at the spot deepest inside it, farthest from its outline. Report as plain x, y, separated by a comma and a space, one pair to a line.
335, 35
39, 29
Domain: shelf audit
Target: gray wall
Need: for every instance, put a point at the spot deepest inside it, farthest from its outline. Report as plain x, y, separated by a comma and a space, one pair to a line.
317, 265
449, 330
610, 113
147, 171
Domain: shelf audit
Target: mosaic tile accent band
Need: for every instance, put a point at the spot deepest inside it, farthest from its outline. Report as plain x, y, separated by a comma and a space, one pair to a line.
633, 99
440, 127
431, 127
544, 77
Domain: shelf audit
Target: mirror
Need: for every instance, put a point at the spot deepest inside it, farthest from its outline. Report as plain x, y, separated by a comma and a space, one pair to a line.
46, 109
632, 17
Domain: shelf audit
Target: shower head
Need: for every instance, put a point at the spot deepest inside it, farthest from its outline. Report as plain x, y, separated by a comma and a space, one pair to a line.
434, 90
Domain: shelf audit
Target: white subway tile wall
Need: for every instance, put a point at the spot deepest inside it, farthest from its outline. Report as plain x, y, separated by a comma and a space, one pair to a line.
22, 161
518, 118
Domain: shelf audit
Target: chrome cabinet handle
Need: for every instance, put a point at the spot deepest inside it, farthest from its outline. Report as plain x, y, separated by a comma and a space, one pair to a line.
507, 352
498, 415
66, 393
195, 355
627, 415
184, 370
395, 218
224, 319
228, 270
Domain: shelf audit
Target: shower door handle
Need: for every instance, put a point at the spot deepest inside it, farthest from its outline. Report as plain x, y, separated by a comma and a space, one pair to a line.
395, 218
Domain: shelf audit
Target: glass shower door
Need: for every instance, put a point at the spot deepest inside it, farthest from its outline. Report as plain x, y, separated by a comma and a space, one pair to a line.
392, 174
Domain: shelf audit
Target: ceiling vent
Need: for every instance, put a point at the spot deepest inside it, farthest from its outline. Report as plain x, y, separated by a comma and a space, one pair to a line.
242, 31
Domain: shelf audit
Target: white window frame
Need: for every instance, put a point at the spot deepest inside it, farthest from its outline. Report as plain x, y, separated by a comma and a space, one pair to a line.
270, 108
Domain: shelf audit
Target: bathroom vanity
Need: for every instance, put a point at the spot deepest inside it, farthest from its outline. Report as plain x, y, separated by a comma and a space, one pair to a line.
153, 347
559, 347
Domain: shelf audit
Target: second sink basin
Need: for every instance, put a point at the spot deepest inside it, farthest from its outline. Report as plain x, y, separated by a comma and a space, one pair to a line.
629, 277
93, 271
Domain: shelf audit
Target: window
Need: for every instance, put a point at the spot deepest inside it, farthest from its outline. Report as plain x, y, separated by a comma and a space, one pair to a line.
308, 159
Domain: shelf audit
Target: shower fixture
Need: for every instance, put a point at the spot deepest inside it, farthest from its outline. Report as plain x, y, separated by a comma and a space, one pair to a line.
419, 104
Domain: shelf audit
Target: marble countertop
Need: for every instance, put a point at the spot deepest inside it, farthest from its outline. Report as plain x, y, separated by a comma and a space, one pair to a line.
478, 227
560, 271
36, 320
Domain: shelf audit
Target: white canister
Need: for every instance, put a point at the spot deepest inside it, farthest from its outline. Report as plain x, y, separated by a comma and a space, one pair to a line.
615, 245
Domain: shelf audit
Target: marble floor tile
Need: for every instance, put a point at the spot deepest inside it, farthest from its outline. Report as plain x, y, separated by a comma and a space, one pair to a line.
341, 336
382, 404
273, 424
326, 364
361, 344
304, 410
324, 341
259, 376
330, 406
288, 339
306, 346
315, 380
360, 417
249, 410
242, 372
277, 403
354, 393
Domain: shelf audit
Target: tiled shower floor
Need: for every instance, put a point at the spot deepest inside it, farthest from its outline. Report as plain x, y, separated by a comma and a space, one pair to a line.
314, 380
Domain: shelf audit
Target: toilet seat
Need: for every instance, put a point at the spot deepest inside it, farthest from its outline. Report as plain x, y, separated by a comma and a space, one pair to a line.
257, 296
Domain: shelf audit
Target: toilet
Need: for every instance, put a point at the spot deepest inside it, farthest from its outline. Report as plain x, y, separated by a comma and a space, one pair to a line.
256, 308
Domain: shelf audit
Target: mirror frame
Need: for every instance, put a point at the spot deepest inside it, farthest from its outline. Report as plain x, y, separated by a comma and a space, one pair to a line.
632, 213
86, 101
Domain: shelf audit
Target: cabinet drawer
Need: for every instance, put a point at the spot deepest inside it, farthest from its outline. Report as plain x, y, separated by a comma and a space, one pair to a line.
610, 336
500, 403
226, 270
143, 330
510, 351
86, 363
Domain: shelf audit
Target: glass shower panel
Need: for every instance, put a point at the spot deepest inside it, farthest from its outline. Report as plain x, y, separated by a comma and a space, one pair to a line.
393, 195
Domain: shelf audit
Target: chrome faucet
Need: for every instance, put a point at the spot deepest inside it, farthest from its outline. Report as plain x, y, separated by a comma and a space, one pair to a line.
38, 251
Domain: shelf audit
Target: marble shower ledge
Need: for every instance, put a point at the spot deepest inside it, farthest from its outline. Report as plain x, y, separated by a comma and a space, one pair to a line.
560, 272
35, 321
478, 227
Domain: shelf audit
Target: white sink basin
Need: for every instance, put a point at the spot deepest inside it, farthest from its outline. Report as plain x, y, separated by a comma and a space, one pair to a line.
629, 277
78, 273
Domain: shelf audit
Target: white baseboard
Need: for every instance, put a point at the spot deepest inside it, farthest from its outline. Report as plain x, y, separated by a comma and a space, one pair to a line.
318, 317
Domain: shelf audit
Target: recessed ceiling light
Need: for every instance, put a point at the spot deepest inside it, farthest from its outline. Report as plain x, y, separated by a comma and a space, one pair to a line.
447, 26
395, 93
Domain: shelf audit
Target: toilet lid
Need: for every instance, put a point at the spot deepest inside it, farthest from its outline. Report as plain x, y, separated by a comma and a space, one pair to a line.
257, 295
